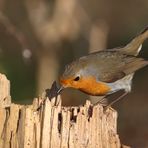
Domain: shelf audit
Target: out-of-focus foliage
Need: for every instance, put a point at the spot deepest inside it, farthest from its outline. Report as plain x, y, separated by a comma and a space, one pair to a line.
39, 37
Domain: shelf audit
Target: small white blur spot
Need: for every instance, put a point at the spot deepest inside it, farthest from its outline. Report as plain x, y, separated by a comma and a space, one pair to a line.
27, 53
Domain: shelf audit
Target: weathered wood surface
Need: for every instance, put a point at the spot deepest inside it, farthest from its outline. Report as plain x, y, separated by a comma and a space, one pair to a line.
5, 99
55, 126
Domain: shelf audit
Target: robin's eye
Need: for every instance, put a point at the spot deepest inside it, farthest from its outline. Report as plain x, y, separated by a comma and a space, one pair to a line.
77, 78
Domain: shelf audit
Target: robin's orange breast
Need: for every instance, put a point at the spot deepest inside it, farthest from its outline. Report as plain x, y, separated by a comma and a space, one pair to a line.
88, 85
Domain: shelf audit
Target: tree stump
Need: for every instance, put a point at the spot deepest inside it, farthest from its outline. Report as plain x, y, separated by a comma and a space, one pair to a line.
55, 126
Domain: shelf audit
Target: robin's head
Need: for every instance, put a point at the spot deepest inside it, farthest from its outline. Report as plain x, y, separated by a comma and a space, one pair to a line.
72, 76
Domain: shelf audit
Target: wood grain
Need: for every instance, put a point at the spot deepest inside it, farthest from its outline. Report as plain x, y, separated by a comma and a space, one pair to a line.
55, 126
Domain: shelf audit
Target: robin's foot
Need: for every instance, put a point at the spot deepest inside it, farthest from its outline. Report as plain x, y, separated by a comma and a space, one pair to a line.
103, 101
116, 100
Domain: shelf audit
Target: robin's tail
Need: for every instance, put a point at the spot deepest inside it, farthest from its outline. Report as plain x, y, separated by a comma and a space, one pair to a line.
134, 47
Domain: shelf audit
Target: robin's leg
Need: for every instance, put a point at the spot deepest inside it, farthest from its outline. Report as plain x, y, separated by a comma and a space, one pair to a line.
103, 101
116, 100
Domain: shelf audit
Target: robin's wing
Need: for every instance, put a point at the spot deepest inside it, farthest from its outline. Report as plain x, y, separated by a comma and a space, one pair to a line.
111, 77
122, 68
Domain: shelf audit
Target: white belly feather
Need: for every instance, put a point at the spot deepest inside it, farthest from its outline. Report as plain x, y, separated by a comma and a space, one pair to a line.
122, 84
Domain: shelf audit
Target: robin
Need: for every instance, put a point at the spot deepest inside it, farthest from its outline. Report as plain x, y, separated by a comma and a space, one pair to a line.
105, 72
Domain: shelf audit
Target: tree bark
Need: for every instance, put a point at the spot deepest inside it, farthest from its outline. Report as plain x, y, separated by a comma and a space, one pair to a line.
55, 126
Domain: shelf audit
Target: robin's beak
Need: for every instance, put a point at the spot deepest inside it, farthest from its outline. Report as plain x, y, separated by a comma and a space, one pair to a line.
60, 89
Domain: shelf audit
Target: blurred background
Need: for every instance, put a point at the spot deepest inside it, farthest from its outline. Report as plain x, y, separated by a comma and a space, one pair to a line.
39, 37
